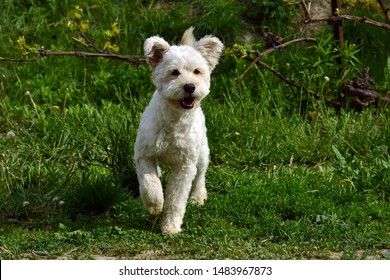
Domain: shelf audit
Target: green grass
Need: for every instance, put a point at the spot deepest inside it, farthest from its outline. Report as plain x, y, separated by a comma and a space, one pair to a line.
290, 178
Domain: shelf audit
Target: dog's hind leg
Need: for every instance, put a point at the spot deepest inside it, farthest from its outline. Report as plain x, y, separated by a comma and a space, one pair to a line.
150, 186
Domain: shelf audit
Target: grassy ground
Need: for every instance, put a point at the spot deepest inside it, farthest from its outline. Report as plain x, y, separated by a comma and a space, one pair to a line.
289, 177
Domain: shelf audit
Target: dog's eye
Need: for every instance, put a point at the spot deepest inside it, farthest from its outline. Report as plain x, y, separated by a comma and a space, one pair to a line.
196, 72
175, 72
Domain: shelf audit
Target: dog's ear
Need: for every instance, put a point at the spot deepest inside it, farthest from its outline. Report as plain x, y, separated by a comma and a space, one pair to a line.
188, 37
154, 49
210, 48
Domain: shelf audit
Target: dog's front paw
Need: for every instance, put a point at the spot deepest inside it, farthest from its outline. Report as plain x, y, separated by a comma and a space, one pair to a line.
154, 209
198, 197
198, 200
152, 195
170, 224
170, 230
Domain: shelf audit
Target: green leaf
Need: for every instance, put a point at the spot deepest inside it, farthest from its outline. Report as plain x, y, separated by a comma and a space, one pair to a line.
339, 156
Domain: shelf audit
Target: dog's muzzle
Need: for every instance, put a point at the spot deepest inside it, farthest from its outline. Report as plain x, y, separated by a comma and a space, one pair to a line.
188, 101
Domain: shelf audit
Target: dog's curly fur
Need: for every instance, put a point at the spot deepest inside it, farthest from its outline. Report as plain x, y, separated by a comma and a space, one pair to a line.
172, 129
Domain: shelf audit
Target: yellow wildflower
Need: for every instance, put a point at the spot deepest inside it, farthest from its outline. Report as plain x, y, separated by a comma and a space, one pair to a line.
114, 30
21, 42
84, 26
112, 47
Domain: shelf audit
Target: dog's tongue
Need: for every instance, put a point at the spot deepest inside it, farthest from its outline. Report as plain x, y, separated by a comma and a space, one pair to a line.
187, 102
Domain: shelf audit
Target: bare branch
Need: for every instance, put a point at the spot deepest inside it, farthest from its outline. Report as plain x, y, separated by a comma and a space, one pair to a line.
350, 18
282, 46
133, 60
5, 59
285, 79
308, 19
275, 72
316, 95
385, 10
270, 50
44, 53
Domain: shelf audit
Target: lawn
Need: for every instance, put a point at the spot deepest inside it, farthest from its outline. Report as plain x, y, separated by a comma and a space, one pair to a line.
290, 177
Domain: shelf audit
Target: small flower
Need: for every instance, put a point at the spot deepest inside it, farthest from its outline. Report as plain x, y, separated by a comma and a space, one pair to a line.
72, 25
114, 30
55, 199
56, 107
84, 26
326, 79
78, 8
61, 203
26, 203
288, 65
112, 47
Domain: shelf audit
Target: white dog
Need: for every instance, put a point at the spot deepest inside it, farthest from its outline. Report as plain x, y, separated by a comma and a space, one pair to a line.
172, 129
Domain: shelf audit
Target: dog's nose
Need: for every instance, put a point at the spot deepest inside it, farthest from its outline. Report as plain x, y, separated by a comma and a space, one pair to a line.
189, 88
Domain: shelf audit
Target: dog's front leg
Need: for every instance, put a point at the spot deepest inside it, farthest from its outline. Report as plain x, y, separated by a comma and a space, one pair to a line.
176, 196
150, 186
198, 194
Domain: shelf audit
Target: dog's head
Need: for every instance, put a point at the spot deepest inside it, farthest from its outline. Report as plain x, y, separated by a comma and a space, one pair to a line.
182, 73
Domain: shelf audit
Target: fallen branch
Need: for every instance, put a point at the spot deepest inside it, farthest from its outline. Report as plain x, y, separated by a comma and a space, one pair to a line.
370, 95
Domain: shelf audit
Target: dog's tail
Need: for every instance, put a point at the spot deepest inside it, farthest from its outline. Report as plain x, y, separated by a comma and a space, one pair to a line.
188, 37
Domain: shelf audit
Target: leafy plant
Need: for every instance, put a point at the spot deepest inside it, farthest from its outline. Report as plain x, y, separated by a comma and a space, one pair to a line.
263, 12
94, 194
368, 174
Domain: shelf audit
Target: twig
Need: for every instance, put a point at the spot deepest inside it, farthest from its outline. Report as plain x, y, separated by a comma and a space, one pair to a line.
28, 95
7, 119
305, 8
90, 43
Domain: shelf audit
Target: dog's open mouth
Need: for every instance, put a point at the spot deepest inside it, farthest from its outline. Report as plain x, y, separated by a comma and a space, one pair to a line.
187, 102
